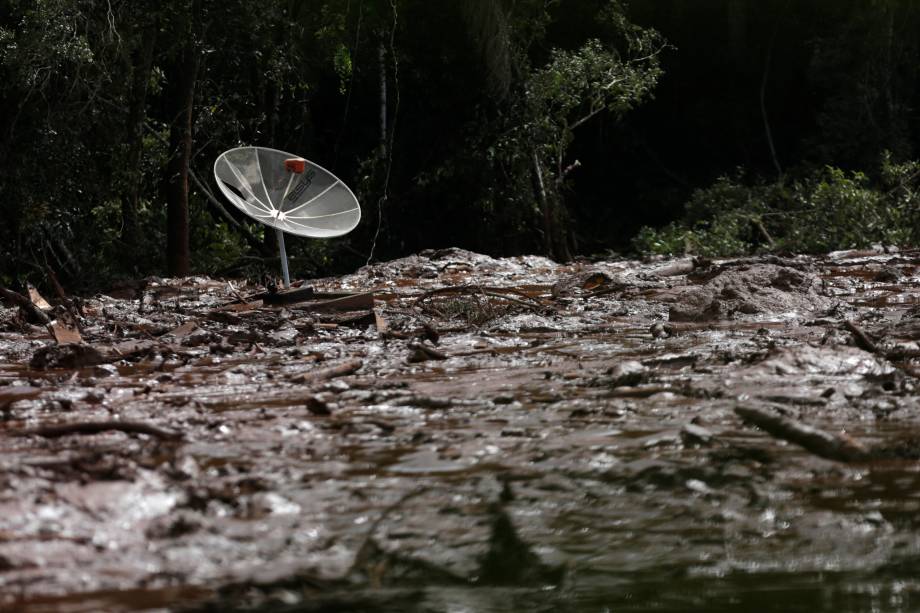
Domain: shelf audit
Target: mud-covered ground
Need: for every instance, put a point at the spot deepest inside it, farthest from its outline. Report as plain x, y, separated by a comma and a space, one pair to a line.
478, 435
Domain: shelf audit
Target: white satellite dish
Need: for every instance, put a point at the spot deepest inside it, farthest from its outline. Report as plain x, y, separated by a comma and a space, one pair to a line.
288, 193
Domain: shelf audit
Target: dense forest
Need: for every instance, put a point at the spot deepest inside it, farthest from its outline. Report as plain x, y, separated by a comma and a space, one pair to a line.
562, 127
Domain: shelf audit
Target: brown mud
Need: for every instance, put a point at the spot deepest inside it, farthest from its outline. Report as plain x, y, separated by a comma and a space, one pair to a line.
477, 435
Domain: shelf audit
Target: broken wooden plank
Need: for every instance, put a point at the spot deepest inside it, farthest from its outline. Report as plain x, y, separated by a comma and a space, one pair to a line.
37, 299
64, 334
839, 448
351, 302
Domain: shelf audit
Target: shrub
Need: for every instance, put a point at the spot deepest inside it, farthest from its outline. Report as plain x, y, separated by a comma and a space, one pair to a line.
826, 210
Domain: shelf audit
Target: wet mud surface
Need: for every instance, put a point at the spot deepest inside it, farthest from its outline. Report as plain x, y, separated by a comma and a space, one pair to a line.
477, 435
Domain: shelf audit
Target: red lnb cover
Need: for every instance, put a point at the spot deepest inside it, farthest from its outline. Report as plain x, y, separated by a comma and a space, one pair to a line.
295, 165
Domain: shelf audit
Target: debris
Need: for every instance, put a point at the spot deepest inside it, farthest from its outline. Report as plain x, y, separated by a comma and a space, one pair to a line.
33, 312
692, 434
862, 339
67, 356
63, 334
839, 448
661, 330
680, 267
317, 406
182, 331
37, 299
628, 373
347, 367
422, 352
380, 322
96, 427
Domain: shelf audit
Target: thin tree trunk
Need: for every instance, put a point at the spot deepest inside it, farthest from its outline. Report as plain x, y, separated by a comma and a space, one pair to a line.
545, 205
130, 202
763, 95
382, 59
180, 140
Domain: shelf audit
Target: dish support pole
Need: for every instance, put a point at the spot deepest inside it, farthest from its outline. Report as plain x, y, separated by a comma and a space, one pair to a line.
284, 262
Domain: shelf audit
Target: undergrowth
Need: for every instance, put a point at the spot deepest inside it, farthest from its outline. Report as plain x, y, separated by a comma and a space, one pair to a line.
824, 210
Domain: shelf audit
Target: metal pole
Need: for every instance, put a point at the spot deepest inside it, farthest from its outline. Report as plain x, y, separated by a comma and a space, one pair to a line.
284, 263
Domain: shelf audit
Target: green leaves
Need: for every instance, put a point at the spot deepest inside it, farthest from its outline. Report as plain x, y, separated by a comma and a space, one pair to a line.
826, 210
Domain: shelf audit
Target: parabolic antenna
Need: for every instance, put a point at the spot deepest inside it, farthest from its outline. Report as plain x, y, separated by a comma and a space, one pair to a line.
288, 193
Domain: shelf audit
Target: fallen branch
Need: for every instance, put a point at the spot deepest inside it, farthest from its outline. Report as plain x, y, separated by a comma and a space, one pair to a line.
494, 292
25, 304
681, 267
422, 352
839, 448
95, 427
347, 367
862, 339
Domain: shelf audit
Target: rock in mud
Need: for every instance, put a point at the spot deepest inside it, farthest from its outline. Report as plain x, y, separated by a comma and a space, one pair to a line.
749, 290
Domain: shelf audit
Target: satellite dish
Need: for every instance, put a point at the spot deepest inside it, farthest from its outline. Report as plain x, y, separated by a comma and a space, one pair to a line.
288, 193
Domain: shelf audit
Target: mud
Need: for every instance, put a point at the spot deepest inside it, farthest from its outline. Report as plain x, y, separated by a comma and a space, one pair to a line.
482, 434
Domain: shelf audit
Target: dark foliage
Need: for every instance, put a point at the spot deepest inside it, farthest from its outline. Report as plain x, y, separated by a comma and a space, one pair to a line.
505, 127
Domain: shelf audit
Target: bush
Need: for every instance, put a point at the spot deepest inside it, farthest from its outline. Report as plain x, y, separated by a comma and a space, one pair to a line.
826, 210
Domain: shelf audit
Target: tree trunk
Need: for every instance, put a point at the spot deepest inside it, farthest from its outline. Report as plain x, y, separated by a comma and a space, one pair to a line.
183, 78
555, 233
130, 201
382, 59
545, 205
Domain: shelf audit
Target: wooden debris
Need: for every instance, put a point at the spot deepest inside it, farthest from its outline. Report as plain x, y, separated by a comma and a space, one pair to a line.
862, 339
183, 330
347, 367
380, 322
422, 352
95, 427
64, 334
492, 292
37, 299
287, 297
240, 307
33, 312
681, 267
354, 302
839, 448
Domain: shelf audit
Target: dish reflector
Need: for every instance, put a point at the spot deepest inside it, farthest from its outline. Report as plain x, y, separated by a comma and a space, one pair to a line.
287, 192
